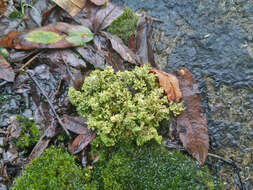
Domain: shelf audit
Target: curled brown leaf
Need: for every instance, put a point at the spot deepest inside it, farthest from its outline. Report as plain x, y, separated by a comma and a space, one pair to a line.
170, 84
6, 72
191, 123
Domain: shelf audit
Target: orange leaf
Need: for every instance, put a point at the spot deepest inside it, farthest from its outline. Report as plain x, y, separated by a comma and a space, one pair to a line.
170, 84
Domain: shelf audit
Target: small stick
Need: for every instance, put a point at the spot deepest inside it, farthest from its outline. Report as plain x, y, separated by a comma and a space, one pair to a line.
50, 103
29, 62
152, 18
221, 158
3, 83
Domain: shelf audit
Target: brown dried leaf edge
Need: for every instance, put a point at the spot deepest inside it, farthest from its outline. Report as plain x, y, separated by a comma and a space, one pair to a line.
191, 123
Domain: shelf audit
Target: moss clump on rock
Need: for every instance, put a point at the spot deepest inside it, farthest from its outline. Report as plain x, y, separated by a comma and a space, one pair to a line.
55, 169
152, 167
124, 26
123, 106
28, 135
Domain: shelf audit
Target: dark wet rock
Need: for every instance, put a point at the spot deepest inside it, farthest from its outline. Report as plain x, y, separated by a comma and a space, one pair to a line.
12, 105
213, 39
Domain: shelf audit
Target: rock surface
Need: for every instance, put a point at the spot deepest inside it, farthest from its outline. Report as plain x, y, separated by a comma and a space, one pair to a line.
213, 39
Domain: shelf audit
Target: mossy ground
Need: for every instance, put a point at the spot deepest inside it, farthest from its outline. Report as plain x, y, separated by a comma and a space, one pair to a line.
54, 170
124, 26
152, 167
28, 135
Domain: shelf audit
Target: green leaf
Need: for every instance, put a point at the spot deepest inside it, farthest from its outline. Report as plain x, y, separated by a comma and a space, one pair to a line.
43, 37
79, 35
15, 15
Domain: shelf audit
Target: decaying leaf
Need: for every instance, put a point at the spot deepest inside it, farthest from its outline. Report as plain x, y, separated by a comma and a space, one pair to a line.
105, 16
6, 72
57, 35
71, 6
143, 45
78, 125
91, 56
3, 7
119, 46
170, 84
75, 124
81, 141
43, 142
99, 2
191, 123
98, 18
43, 37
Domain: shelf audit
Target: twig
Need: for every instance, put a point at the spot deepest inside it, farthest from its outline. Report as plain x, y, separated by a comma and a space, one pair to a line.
233, 164
152, 18
50, 103
221, 158
3, 83
29, 61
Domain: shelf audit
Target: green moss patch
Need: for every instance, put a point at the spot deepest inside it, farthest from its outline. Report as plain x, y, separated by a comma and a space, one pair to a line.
152, 167
28, 135
124, 26
54, 170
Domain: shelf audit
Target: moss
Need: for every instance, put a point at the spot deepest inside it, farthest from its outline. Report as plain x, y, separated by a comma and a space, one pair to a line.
15, 15
28, 135
124, 26
126, 106
55, 169
4, 54
3, 97
152, 167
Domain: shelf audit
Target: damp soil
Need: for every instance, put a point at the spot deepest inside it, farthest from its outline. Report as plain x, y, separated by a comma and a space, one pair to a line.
214, 40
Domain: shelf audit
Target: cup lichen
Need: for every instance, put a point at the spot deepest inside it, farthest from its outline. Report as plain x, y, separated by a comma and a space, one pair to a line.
123, 106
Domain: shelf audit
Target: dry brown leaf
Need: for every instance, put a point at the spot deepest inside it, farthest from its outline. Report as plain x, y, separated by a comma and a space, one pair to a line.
99, 2
71, 6
78, 125
81, 141
98, 18
75, 124
6, 72
170, 84
119, 46
44, 141
3, 7
191, 123
143, 46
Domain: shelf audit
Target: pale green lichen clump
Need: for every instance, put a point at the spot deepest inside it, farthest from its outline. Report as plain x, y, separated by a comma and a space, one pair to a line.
123, 106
